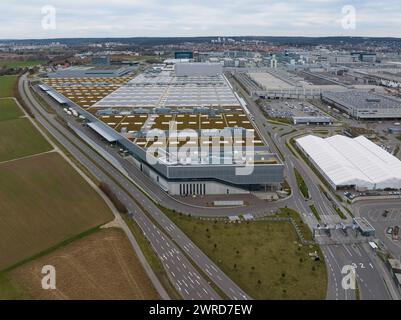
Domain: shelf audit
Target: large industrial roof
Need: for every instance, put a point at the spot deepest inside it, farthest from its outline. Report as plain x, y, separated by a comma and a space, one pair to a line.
95, 126
358, 161
56, 96
354, 99
164, 89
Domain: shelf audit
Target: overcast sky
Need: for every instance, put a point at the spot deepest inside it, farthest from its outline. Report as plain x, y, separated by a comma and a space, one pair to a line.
21, 19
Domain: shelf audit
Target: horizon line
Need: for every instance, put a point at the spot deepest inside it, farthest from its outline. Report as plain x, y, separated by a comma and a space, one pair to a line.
209, 36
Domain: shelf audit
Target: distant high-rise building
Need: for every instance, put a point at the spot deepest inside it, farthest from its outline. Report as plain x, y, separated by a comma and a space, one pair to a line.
369, 57
365, 56
101, 61
184, 55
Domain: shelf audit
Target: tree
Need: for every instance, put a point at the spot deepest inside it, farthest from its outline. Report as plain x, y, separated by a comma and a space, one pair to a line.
120, 206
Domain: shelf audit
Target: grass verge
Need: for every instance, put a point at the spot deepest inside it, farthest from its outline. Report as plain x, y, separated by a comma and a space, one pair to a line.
301, 184
9, 110
7, 84
9, 290
23, 141
315, 213
265, 258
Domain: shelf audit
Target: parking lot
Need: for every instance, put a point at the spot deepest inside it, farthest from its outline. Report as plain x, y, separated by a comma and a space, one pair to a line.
384, 218
351, 195
292, 109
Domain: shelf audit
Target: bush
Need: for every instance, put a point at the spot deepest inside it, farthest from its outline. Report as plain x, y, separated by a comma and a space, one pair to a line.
301, 184
113, 198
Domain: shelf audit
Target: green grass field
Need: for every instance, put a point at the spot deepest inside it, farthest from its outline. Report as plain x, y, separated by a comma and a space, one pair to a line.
44, 202
143, 58
301, 184
9, 110
264, 258
19, 138
7, 84
20, 64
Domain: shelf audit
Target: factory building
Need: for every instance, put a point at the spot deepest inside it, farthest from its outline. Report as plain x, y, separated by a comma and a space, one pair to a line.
198, 69
225, 153
91, 71
101, 61
183, 55
364, 105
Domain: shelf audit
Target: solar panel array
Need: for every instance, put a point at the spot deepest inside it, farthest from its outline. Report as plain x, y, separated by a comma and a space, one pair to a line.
85, 91
115, 101
166, 90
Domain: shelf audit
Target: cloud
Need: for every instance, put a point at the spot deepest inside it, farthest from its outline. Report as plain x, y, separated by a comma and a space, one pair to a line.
129, 18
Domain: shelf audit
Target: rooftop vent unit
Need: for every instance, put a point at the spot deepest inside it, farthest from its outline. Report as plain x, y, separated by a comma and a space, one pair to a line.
140, 110
184, 111
162, 110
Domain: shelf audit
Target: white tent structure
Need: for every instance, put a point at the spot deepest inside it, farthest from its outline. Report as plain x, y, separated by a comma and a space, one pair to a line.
347, 162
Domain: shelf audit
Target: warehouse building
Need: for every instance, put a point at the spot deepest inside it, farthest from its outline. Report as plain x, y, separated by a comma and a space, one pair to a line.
183, 55
352, 163
92, 71
364, 105
198, 69
164, 89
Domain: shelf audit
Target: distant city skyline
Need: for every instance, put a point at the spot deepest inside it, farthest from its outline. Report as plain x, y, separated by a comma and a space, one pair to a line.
157, 18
